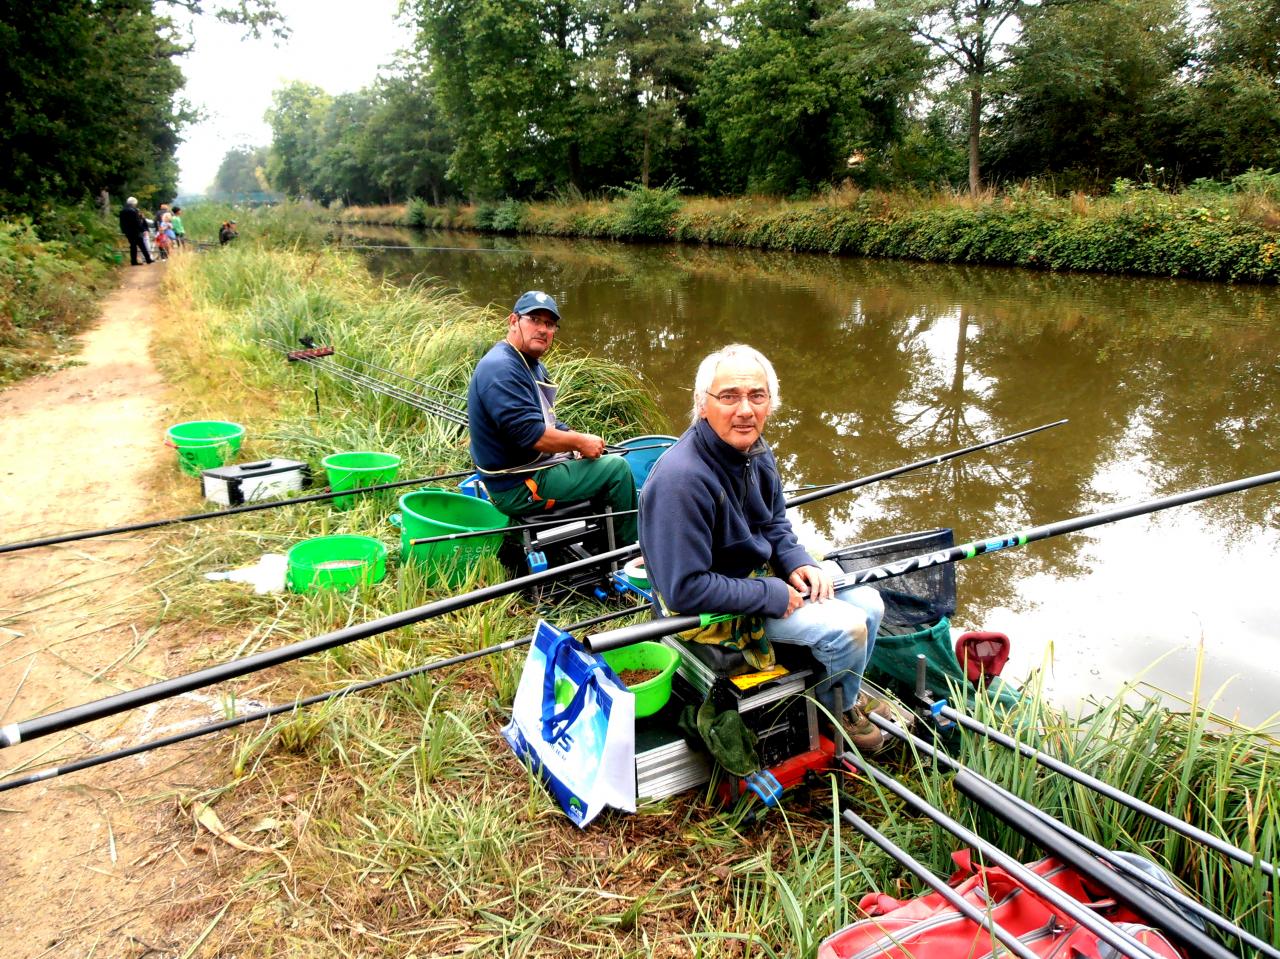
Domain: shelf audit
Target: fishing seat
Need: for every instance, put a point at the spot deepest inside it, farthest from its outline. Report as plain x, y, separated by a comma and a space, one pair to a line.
572, 537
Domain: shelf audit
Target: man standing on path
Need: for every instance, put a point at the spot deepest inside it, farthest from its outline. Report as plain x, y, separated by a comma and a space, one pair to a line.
528, 459
133, 226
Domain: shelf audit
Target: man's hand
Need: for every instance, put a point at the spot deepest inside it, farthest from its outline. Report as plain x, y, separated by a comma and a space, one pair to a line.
815, 581
794, 600
591, 447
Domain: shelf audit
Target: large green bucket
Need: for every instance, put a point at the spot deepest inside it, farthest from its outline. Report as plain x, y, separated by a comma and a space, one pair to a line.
336, 562
433, 512
204, 444
356, 470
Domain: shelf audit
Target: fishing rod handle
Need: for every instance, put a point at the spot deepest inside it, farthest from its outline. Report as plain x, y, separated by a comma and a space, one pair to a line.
642, 632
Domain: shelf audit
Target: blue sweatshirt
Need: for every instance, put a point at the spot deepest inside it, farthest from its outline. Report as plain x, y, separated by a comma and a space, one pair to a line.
504, 414
709, 516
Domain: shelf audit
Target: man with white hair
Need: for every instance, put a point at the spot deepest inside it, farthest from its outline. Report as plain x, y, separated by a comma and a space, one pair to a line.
716, 539
133, 226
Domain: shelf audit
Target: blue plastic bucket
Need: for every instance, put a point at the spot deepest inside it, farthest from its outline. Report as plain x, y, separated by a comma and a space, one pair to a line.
641, 461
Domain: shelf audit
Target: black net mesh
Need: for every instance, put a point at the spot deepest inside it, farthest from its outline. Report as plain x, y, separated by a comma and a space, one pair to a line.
916, 598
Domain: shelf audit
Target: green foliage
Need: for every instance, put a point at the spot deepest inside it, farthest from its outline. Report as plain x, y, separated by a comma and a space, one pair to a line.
418, 213
242, 170
89, 103
648, 214
48, 288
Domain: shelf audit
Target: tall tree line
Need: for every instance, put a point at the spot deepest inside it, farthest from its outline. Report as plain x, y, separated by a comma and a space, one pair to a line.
91, 95
537, 98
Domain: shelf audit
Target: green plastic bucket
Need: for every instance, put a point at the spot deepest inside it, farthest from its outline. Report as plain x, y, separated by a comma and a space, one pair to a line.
434, 512
356, 470
204, 444
652, 694
336, 562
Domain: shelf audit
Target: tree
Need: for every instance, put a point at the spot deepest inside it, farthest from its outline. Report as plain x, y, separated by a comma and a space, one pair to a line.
295, 115
969, 38
240, 170
1090, 89
90, 96
798, 95
657, 52
506, 78
1231, 114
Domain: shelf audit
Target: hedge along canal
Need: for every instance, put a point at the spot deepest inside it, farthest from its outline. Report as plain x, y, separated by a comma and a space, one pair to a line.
1169, 385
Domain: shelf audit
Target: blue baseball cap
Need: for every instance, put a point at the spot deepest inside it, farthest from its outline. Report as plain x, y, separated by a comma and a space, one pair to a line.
535, 300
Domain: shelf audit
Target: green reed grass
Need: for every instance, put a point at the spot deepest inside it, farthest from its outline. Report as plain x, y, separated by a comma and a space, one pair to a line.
408, 829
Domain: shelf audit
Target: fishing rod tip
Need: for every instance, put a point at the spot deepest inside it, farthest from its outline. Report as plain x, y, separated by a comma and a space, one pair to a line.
10, 735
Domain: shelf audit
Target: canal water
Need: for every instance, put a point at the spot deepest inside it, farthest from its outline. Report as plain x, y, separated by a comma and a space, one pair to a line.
1168, 385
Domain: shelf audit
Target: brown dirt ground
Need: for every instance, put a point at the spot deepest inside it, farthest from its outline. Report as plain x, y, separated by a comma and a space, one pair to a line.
103, 862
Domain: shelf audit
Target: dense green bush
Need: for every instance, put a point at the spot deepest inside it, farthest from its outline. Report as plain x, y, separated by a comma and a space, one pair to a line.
418, 213
48, 288
647, 214
1202, 234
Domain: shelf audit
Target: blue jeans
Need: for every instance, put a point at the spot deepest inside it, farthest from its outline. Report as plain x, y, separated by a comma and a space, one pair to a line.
841, 635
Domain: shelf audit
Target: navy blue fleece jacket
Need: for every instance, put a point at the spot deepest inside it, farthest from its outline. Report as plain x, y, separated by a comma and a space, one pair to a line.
709, 516
504, 414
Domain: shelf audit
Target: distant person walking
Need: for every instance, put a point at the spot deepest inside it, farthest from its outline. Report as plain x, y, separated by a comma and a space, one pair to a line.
227, 233
134, 227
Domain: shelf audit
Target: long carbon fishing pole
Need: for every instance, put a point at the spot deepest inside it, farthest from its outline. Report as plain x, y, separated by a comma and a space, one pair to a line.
614, 639
1108, 932
130, 699
233, 511
913, 865
1008, 800
103, 758
823, 491
255, 507
1111, 792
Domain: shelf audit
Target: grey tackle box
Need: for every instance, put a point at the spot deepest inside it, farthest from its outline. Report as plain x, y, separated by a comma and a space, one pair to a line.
254, 482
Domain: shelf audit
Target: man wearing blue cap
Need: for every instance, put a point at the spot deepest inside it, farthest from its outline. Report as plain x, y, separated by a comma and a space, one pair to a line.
527, 458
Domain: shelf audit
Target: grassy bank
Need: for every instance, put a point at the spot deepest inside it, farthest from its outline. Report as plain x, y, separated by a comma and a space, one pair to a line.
399, 822
50, 283
1227, 232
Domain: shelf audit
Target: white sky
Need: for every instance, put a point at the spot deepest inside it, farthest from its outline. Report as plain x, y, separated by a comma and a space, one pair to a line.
336, 45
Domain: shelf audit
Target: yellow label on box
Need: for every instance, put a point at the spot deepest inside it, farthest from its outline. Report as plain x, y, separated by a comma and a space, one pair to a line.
747, 680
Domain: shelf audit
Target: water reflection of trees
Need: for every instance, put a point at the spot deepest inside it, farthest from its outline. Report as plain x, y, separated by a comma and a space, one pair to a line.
1172, 384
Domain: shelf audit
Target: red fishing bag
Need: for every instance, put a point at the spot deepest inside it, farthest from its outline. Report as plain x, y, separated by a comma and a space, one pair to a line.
931, 928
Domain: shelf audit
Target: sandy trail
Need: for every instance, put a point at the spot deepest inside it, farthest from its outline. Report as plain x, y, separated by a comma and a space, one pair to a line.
88, 867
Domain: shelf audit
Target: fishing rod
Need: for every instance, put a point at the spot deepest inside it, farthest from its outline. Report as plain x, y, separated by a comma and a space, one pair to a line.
435, 249
15, 733
310, 343
233, 511
614, 639
913, 865
1004, 800
1111, 792
38, 726
833, 488
312, 356
1107, 931
446, 537
135, 750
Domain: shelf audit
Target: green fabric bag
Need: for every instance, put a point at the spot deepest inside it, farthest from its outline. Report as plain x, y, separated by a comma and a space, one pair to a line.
893, 663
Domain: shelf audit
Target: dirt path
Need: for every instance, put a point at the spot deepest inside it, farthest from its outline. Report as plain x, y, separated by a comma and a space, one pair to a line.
90, 867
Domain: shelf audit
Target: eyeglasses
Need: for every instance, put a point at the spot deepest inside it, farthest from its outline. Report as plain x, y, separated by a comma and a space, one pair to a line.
732, 398
552, 324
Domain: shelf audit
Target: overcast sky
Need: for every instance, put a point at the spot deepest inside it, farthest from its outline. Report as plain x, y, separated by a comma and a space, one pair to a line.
336, 45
